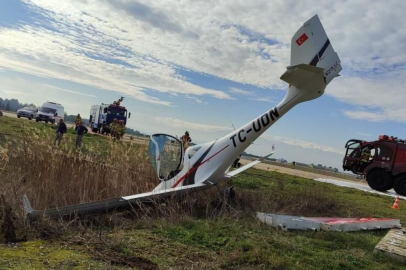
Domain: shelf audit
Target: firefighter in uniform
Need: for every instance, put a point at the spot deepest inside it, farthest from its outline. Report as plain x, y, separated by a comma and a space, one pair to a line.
113, 128
118, 102
365, 155
186, 140
121, 129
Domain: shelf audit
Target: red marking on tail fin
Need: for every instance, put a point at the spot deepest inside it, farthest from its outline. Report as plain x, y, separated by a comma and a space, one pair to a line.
302, 39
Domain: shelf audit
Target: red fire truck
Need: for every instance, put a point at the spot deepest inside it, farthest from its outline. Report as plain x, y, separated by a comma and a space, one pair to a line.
383, 162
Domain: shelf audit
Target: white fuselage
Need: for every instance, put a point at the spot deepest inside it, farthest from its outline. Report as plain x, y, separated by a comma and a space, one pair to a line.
211, 161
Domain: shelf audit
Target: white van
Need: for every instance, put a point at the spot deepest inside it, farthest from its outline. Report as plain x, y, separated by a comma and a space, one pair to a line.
50, 112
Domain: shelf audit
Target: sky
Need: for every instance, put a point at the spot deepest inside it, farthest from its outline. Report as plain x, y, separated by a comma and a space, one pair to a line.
209, 66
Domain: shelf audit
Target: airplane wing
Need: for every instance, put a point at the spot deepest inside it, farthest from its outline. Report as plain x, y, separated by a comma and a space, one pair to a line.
104, 206
247, 166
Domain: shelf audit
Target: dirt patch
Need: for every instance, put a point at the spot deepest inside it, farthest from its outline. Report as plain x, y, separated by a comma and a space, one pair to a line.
136, 262
117, 252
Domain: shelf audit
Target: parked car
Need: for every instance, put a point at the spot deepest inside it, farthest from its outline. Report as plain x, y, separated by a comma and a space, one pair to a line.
50, 112
29, 112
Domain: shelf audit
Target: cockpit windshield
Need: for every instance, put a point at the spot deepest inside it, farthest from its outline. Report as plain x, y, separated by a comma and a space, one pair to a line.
117, 111
165, 153
48, 110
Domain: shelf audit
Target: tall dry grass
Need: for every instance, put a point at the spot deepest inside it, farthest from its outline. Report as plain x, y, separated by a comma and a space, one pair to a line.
56, 176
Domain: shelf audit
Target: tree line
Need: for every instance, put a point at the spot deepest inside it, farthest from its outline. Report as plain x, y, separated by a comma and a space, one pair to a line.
12, 105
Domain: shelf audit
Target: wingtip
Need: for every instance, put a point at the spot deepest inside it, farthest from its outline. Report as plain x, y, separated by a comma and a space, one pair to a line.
27, 205
267, 156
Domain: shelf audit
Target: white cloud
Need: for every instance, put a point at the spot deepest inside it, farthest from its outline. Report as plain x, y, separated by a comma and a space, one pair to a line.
303, 144
238, 91
145, 48
265, 99
134, 47
68, 91
197, 100
15, 92
377, 99
177, 123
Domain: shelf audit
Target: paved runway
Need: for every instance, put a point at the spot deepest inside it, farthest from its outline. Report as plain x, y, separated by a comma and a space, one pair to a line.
359, 186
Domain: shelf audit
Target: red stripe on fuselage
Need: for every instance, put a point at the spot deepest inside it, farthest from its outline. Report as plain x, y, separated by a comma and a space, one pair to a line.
195, 168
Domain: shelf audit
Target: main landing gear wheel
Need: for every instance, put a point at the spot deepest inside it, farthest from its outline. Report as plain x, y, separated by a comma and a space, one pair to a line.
380, 180
400, 185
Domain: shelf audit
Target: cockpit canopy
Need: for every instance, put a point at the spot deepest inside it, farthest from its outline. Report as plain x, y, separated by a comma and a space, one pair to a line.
165, 153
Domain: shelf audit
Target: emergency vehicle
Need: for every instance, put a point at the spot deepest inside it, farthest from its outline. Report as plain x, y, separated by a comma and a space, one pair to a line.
101, 116
50, 112
382, 162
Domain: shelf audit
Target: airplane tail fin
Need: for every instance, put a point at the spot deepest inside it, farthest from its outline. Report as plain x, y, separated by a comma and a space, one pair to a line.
310, 45
313, 62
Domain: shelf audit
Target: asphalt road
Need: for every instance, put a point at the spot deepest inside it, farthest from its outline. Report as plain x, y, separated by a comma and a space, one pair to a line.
294, 172
359, 186
14, 115
10, 114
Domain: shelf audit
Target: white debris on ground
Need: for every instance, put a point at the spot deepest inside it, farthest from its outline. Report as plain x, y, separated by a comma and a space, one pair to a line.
338, 224
393, 245
359, 186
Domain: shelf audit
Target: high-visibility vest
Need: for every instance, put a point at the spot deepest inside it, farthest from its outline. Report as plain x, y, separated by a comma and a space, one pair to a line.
365, 155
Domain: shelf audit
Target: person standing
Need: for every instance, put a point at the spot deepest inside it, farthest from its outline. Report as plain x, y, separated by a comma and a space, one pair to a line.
77, 120
1, 114
121, 129
186, 140
60, 130
80, 131
113, 128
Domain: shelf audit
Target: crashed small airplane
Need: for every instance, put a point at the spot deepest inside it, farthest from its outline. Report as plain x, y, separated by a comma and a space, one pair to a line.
313, 65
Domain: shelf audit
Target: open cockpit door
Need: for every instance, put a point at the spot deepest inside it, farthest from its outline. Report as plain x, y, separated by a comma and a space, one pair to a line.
352, 156
165, 153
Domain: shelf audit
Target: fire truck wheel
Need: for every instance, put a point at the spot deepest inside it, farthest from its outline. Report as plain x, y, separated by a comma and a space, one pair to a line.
380, 180
400, 185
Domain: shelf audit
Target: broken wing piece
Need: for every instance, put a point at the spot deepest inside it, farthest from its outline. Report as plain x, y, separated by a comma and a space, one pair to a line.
247, 166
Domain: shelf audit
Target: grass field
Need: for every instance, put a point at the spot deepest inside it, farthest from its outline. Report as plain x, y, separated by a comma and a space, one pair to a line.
203, 231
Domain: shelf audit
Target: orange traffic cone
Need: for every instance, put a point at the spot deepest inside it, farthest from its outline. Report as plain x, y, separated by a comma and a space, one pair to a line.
396, 203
